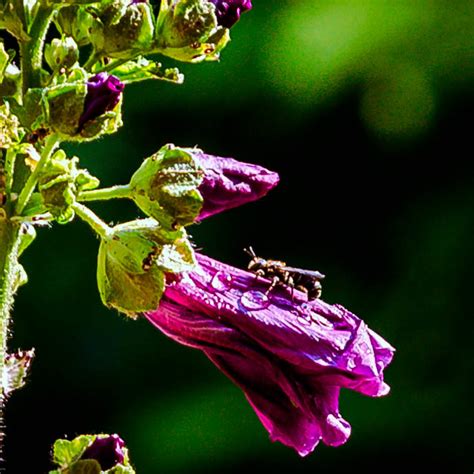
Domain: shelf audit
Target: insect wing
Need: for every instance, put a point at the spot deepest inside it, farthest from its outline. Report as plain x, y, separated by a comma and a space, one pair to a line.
310, 273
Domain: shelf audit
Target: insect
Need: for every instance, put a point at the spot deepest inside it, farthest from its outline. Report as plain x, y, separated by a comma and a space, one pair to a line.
307, 281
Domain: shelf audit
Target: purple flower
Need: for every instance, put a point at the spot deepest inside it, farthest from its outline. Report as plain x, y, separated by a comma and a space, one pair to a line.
289, 356
108, 451
230, 183
103, 94
228, 11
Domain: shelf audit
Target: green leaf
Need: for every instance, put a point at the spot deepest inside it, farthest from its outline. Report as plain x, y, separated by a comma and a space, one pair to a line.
85, 466
4, 60
143, 69
121, 470
66, 452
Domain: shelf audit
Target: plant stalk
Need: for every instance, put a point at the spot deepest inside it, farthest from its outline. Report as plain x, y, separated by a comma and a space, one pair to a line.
9, 244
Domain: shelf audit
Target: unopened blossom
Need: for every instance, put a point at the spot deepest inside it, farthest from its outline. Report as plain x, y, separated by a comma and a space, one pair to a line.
228, 11
103, 94
229, 183
108, 451
182, 185
289, 356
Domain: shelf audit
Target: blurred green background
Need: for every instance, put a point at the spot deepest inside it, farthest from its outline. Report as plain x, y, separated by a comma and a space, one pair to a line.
365, 109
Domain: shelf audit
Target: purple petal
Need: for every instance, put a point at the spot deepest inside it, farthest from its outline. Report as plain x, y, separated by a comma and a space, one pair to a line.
230, 183
103, 94
228, 11
107, 451
289, 356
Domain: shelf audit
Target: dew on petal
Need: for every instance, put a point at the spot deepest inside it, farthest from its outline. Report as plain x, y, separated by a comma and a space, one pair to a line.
254, 300
221, 281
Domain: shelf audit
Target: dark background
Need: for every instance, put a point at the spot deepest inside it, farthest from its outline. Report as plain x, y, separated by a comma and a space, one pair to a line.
365, 109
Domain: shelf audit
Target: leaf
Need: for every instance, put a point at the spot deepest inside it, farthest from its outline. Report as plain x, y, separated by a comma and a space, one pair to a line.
66, 452
143, 69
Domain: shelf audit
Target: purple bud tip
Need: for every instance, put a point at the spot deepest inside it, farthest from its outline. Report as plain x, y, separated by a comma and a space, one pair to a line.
230, 183
228, 11
107, 451
103, 94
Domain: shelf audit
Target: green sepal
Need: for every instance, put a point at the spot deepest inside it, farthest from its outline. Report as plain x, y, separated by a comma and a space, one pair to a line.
123, 29
187, 30
165, 186
60, 183
61, 53
15, 370
67, 452
132, 262
13, 19
63, 108
27, 236
76, 22
85, 466
10, 130
143, 69
4, 60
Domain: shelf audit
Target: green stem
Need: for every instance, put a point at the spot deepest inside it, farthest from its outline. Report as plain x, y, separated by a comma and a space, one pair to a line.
91, 60
97, 224
9, 170
114, 64
114, 192
32, 51
9, 244
51, 142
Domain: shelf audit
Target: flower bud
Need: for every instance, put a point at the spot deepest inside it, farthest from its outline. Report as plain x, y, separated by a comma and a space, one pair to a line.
59, 184
107, 450
229, 183
10, 130
85, 110
187, 30
103, 94
76, 22
123, 29
61, 53
178, 186
92, 454
132, 263
228, 11
165, 186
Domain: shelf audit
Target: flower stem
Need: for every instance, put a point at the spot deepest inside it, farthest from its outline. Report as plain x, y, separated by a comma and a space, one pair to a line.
9, 244
114, 192
32, 51
97, 224
51, 142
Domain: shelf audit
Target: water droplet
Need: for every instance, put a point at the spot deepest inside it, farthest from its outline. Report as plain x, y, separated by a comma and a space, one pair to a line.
221, 281
254, 300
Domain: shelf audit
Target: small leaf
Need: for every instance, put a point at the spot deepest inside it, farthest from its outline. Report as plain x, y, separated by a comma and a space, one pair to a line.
143, 69
66, 452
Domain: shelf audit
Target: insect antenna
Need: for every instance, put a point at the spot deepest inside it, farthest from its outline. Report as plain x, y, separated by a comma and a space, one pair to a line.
250, 252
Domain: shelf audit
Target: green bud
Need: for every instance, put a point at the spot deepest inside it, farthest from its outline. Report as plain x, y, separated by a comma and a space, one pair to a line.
10, 131
187, 30
63, 108
61, 53
165, 186
132, 263
76, 22
60, 183
123, 29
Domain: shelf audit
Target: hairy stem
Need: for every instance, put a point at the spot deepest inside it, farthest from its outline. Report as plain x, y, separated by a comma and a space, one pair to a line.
114, 192
97, 224
51, 143
9, 243
31, 52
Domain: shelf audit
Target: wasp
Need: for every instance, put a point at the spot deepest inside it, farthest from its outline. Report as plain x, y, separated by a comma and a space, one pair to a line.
307, 281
